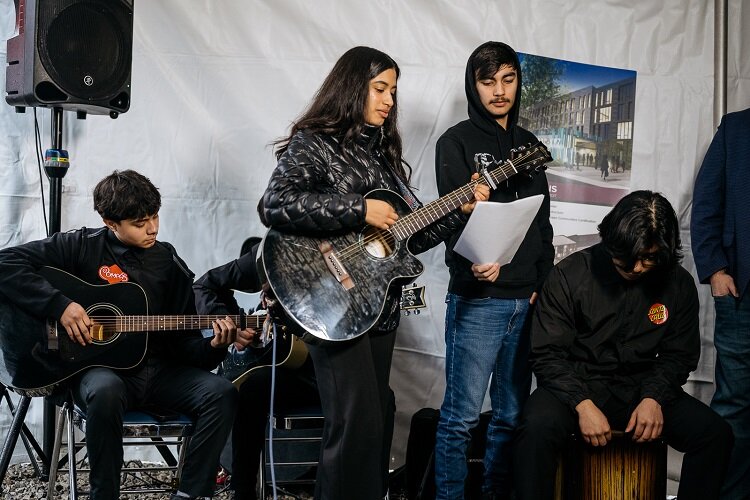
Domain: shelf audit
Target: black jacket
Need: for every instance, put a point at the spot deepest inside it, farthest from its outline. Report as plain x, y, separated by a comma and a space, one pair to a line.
454, 164
86, 253
595, 335
214, 291
316, 190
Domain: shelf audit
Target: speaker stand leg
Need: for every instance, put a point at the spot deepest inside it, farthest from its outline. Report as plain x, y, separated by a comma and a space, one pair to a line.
31, 445
12, 437
19, 428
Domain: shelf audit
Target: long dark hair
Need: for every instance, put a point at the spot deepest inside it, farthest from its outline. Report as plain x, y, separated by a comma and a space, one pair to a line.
639, 221
338, 108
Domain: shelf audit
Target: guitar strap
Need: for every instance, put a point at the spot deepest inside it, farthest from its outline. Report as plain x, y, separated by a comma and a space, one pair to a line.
405, 190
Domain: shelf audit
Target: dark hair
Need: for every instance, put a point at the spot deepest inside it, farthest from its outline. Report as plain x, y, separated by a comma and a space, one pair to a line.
490, 57
126, 195
639, 221
338, 107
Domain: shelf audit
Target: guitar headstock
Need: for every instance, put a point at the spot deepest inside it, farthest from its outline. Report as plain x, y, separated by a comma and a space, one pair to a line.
412, 299
530, 158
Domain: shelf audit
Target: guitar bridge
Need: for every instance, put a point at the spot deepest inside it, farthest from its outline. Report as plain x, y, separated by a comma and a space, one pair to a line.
335, 266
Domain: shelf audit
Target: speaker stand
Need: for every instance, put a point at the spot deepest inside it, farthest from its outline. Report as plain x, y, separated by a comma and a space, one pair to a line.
55, 166
18, 427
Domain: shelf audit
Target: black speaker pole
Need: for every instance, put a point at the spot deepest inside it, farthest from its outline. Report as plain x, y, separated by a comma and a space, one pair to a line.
56, 166
55, 172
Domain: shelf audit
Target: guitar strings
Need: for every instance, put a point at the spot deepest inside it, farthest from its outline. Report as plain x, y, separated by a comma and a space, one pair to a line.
456, 196
387, 235
155, 321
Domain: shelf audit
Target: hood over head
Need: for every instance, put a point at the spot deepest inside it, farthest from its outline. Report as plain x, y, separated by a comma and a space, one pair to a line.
477, 112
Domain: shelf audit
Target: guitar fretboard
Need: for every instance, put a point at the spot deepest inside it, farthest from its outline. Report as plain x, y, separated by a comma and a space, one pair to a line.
152, 323
435, 210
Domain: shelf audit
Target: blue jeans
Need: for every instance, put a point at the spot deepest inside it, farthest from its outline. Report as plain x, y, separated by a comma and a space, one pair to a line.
732, 397
484, 337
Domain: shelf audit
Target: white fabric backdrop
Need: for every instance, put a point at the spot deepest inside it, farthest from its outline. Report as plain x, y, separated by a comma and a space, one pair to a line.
214, 82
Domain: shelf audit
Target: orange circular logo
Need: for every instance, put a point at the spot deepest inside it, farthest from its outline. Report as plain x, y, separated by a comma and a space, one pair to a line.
658, 314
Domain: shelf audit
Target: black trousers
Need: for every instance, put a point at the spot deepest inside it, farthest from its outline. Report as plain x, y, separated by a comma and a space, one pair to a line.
106, 395
689, 426
249, 431
359, 407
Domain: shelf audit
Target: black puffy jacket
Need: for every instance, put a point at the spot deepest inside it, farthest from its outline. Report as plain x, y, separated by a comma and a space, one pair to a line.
316, 190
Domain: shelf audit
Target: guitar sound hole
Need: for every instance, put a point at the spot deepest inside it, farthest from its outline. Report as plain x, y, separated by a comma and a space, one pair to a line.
377, 243
103, 316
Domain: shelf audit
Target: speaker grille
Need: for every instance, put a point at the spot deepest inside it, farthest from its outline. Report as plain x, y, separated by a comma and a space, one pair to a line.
85, 46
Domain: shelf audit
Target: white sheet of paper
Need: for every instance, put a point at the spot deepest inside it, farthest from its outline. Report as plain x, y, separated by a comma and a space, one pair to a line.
495, 230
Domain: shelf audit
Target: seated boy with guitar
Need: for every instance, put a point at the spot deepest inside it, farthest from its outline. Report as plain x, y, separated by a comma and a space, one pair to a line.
109, 362
250, 369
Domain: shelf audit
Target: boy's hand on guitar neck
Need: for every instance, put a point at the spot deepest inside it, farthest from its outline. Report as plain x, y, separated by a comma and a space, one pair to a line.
225, 332
481, 193
244, 338
77, 323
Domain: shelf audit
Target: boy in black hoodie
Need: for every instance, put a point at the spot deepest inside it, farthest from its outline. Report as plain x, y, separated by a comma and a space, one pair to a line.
487, 309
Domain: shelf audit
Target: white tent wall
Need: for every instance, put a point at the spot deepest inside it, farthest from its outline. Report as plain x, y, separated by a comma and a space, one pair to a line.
214, 82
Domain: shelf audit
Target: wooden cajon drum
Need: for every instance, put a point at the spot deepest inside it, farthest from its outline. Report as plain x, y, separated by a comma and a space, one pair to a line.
622, 470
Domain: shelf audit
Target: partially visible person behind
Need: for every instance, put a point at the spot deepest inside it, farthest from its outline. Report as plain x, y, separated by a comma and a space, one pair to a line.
614, 337
720, 234
345, 145
174, 374
486, 327
214, 294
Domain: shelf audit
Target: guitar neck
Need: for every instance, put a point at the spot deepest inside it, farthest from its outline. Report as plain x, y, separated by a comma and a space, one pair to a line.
436, 210
171, 323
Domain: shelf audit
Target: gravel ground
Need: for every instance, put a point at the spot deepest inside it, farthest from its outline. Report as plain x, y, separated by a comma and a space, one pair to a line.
21, 483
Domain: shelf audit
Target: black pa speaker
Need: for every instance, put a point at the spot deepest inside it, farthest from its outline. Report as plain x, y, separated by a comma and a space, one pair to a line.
72, 54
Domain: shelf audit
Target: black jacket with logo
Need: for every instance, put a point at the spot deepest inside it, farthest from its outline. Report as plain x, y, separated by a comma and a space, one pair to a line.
90, 254
596, 335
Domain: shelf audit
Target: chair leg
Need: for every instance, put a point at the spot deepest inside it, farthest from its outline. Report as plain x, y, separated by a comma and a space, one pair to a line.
181, 458
262, 474
164, 451
55, 458
71, 454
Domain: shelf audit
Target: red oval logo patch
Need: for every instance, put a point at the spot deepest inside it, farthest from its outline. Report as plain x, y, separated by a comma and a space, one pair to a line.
658, 314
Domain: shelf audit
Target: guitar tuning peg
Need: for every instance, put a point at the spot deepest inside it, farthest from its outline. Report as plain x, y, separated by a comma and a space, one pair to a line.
407, 312
417, 311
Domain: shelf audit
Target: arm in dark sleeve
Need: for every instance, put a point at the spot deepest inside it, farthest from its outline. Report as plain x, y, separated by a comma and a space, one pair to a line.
679, 350
707, 219
21, 284
296, 199
547, 255
190, 347
451, 174
553, 331
451, 170
214, 291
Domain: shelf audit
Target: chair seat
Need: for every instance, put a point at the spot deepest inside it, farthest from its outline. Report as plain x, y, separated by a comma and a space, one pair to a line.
141, 424
139, 428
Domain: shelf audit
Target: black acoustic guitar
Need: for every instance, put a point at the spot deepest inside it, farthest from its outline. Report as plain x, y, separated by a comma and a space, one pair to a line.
335, 288
291, 351
237, 366
37, 354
